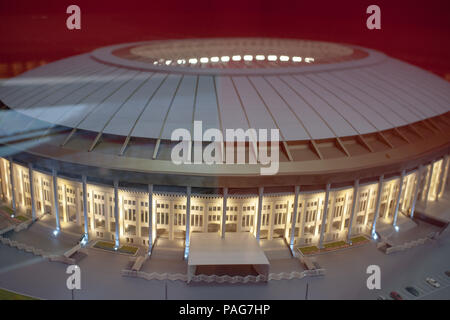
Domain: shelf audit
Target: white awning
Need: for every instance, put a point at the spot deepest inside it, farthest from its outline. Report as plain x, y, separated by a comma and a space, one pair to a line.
209, 249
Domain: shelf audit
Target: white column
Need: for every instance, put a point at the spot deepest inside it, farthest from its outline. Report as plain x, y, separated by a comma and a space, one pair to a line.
85, 211
258, 221
41, 194
138, 209
352, 214
171, 218
377, 206
294, 219
116, 213
5, 171
303, 219
286, 229
444, 181
65, 213
13, 193
428, 186
224, 211
91, 208
388, 202
416, 191
55, 199
77, 205
239, 226
107, 204
5, 166
188, 221
441, 177
344, 212
2, 188
324, 216
205, 215
30, 176
21, 173
150, 219
366, 212
3, 178
405, 195
271, 219
22, 191
397, 204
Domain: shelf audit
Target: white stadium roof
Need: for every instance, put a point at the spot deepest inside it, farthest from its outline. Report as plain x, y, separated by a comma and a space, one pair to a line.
309, 90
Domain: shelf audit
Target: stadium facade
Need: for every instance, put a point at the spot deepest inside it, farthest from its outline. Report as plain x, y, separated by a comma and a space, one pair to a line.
87, 139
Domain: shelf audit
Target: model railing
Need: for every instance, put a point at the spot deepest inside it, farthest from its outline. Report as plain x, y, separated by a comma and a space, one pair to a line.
223, 278
154, 275
7, 229
24, 247
36, 251
23, 225
411, 244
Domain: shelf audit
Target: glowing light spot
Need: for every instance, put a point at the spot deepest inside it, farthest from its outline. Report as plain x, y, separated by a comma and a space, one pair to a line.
260, 57
297, 59
272, 57
225, 58
193, 61
236, 58
284, 58
214, 59
248, 57
204, 60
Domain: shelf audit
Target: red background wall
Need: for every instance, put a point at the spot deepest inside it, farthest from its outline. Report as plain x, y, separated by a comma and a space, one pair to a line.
32, 31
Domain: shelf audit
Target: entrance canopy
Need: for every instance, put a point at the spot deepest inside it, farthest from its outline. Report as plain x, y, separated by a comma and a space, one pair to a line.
235, 252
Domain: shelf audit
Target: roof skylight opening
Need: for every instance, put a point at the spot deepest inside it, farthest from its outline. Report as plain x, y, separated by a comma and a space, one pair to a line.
236, 58
225, 58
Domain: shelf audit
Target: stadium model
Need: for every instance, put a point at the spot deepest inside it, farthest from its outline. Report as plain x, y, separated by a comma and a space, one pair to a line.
363, 137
